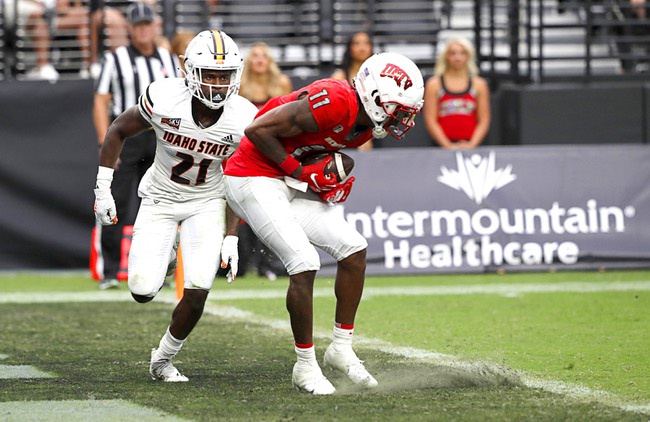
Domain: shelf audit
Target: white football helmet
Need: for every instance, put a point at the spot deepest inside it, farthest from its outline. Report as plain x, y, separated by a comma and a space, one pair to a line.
213, 50
391, 89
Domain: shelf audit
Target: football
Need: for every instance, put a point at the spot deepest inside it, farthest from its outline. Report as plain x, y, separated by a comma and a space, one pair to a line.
340, 167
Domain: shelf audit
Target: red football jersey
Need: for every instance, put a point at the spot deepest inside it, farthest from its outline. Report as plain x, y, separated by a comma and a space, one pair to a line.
457, 112
334, 106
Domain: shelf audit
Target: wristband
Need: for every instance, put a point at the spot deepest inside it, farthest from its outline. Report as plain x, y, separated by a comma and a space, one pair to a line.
289, 165
105, 173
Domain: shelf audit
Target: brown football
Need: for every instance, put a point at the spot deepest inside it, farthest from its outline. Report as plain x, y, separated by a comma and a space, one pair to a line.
341, 165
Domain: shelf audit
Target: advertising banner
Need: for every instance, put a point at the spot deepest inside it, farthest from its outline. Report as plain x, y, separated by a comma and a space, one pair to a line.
501, 208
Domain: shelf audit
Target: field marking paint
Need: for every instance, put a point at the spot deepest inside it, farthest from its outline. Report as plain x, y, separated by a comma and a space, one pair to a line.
574, 391
80, 410
508, 290
22, 371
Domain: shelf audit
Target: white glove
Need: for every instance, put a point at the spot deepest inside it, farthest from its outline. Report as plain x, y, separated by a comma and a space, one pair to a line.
105, 211
230, 253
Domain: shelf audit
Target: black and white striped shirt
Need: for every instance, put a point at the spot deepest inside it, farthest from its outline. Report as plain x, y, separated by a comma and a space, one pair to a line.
126, 73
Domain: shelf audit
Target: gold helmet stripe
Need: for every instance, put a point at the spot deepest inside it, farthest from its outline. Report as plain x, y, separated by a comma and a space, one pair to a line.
219, 53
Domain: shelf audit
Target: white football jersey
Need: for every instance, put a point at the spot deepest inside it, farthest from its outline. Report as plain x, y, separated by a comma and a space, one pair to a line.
188, 157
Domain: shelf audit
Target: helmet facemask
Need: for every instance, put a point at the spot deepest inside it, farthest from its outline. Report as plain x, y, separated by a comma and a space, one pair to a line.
213, 96
399, 119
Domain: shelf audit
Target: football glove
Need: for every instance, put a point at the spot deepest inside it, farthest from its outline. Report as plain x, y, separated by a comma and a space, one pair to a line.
230, 254
315, 177
105, 210
339, 194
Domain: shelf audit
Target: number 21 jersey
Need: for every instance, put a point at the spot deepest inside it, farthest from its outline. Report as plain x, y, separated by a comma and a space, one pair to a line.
187, 164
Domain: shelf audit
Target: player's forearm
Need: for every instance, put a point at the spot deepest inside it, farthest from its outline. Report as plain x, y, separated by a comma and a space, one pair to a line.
111, 148
127, 125
267, 143
232, 222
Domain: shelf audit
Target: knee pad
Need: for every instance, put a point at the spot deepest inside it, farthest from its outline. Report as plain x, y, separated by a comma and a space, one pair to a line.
143, 286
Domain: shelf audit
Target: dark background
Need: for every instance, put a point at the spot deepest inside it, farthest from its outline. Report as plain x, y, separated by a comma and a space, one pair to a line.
49, 156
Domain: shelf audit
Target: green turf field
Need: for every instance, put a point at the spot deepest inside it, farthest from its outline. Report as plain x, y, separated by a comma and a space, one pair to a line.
561, 346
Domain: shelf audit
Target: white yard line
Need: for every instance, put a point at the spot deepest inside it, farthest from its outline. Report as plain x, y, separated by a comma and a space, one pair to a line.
575, 391
81, 410
22, 371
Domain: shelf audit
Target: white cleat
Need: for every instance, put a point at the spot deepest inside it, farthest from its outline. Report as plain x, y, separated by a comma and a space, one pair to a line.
164, 370
310, 379
346, 361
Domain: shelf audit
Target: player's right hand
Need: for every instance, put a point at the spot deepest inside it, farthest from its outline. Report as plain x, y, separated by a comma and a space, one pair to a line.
315, 177
339, 194
105, 210
230, 255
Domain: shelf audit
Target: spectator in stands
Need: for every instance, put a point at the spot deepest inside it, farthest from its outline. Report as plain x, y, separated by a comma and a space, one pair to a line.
261, 81
456, 99
262, 78
125, 75
180, 41
357, 51
30, 13
73, 15
635, 28
41, 20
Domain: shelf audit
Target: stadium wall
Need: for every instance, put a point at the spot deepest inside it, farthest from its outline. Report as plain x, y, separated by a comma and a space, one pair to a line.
47, 171
49, 162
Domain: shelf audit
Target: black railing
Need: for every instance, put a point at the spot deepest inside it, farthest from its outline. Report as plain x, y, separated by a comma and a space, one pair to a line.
519, 41
543, 41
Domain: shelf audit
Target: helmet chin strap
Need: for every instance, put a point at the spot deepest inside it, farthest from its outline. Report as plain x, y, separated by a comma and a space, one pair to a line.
379, 132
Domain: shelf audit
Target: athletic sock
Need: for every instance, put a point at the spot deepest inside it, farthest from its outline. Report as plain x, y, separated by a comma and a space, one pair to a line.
343, 335
306, 353
169, 346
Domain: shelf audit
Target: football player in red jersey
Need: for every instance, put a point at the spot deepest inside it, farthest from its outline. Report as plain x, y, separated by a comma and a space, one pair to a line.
288, 205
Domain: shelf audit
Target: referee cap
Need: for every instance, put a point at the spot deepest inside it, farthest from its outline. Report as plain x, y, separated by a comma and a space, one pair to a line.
139, 12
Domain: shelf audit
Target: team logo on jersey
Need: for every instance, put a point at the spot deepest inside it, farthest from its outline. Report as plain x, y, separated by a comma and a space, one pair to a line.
395, 72
338, 129
227, 139
174, 122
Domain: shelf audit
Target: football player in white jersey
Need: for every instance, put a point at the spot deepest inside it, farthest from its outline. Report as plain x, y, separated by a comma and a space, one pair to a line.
199, 121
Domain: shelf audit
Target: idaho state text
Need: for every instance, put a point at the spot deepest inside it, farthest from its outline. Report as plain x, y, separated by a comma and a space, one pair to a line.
205, 147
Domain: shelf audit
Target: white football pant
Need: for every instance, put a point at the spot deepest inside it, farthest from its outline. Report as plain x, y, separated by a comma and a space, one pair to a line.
154, 233
291, 222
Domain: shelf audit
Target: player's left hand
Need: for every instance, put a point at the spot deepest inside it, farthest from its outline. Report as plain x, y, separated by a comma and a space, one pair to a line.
230, 255
315, 177
339, 194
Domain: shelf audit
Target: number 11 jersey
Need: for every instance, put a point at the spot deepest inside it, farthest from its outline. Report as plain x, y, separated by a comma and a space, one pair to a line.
333, 104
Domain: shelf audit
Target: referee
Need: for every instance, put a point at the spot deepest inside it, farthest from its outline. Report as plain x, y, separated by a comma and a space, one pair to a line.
124, 76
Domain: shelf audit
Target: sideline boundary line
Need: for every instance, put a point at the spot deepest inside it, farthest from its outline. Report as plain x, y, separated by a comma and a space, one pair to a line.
508, 290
